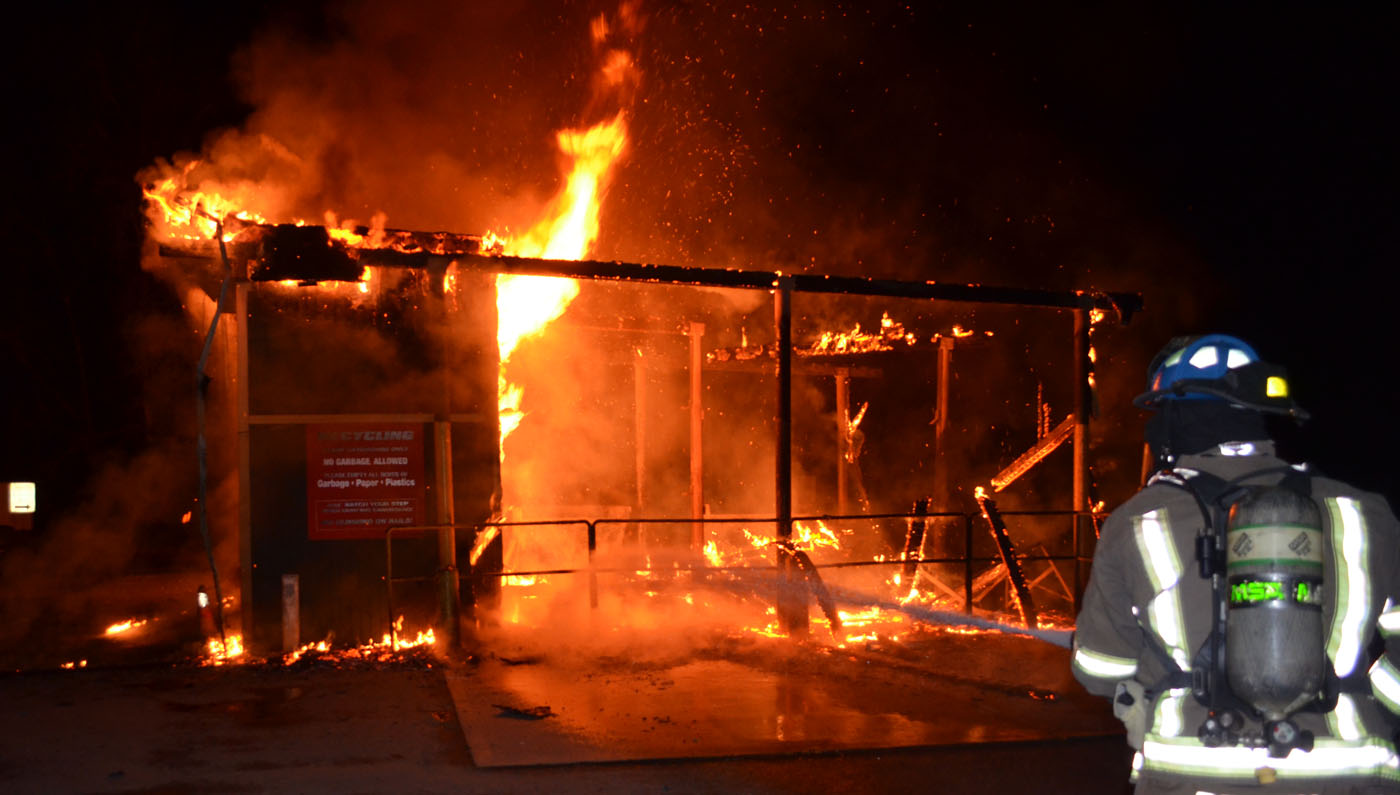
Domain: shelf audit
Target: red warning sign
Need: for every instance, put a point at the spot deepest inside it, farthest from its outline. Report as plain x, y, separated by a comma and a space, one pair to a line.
363, 479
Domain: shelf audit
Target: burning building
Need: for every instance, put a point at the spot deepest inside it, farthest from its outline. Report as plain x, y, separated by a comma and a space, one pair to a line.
364, 392
405, 422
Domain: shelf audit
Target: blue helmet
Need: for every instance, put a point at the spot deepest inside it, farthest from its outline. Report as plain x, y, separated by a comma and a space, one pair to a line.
1221, 368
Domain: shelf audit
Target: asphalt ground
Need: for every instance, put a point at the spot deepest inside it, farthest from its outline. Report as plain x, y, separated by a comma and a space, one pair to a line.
327, 724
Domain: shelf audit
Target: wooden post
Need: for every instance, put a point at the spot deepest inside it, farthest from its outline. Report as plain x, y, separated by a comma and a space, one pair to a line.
1083, 397
843, 419
639, 435
450, 587
245, 466
914, 544
941, 497
697, 446
792, 591
291, 612
1081, 409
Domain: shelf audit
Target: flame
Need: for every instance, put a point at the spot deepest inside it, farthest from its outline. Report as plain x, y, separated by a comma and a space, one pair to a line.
221, 653
401, 642
857, 341
712, 553
569, 231
293, 656
526, 305
181, 212
182, 207
123, 626
376, 650
859, 618
805, 535
372, 650
892, 333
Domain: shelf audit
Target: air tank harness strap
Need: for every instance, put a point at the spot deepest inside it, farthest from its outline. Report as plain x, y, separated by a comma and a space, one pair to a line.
1174, 678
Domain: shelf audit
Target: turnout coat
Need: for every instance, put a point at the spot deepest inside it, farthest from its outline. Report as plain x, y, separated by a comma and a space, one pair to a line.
1145, 589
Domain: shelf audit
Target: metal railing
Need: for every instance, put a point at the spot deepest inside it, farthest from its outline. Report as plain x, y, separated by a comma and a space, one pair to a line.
968, 560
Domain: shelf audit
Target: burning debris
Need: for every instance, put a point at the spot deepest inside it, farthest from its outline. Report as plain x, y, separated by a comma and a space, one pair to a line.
398, 648
892, 336
127, 625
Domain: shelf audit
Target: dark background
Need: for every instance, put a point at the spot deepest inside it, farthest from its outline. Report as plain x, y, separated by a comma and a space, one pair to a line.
1232, 164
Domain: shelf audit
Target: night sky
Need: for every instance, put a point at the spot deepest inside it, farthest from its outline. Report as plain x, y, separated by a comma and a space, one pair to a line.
1232, 165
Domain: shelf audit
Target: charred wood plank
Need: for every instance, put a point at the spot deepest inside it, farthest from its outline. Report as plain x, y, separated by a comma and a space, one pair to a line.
997, 525
914, 542
799, 560
304, 254
1035, 455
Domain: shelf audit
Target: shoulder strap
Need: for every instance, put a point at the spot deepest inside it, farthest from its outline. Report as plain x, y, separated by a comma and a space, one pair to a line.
1209, 491
1205, 488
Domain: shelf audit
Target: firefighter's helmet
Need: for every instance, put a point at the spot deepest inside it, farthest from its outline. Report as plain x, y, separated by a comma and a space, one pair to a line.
1218, 367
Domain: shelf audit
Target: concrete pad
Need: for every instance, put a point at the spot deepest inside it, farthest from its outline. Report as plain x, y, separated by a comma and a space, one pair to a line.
765, 696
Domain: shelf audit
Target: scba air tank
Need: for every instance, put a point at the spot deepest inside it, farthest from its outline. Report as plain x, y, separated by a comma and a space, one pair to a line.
1274, 651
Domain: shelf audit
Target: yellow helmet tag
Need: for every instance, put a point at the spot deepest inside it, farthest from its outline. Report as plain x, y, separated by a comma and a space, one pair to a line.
1276, 387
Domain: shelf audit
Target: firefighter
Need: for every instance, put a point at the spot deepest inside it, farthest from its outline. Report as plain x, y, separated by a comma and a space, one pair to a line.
1243, 653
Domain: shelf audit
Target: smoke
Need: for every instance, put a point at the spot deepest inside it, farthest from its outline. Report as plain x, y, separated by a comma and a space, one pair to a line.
62, 587
441, 115
876, 142
127, 545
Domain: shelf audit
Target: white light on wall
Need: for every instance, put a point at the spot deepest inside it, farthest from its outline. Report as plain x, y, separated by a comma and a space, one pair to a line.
22, 498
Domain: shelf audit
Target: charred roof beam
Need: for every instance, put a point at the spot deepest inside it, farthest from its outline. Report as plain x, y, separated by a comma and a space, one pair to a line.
308, 254
1124, 304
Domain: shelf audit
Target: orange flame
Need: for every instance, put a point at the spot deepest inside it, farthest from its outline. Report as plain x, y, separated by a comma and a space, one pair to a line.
804, 536
221, 653
526, 305
216, 654
179, 211
712, 553
123, 626
857, 341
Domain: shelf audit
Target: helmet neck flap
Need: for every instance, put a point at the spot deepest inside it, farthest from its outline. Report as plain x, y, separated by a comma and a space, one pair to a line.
1188, 427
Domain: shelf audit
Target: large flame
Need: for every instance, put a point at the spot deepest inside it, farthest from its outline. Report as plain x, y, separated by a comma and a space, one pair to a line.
182, 207
526, 305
